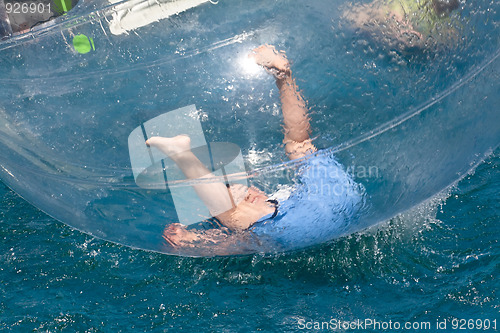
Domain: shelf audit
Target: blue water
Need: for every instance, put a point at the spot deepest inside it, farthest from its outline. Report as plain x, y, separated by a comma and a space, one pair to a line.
438, 262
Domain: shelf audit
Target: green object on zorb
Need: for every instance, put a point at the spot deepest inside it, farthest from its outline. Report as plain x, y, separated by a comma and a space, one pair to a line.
83, 44
63, 6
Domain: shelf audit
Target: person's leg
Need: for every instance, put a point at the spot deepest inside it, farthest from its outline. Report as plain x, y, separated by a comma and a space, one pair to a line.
295, 113
214, 195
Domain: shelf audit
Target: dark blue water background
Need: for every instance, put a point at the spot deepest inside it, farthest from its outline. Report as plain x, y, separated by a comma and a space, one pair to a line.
438, 262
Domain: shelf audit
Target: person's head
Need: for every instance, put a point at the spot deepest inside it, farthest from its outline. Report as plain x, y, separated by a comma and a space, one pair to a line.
445, 7
251, 205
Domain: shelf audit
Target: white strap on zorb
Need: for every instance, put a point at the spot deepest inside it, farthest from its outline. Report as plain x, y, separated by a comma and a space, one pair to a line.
134, 14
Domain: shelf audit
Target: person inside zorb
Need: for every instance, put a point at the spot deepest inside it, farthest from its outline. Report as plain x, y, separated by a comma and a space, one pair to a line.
322, 205
407, 25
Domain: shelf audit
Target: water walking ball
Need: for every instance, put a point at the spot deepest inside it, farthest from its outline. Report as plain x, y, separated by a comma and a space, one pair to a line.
392, 91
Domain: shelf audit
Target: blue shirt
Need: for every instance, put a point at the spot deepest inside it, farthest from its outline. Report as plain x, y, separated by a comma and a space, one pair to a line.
321, 207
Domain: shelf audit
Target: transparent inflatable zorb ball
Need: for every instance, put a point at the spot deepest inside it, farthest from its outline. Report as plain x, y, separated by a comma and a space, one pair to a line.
401, 101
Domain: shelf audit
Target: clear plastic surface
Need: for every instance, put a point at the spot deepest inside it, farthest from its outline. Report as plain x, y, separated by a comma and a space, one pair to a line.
394, 125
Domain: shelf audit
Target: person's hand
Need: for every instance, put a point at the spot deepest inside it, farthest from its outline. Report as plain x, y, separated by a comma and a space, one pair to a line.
273, 61
176, 235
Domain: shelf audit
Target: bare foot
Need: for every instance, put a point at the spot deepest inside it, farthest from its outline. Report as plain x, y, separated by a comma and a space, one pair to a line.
170, 146
273, 61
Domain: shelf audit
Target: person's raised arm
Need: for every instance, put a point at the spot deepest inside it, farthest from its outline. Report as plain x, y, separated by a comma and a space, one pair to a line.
295, 113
